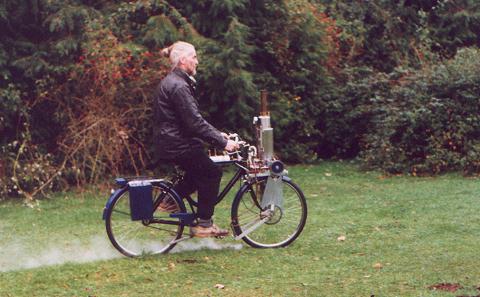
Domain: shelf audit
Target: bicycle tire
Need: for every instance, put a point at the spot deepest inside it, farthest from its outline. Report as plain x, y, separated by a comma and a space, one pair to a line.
278, 231
137, 238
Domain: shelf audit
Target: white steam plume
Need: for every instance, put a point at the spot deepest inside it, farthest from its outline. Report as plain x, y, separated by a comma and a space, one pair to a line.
16, 255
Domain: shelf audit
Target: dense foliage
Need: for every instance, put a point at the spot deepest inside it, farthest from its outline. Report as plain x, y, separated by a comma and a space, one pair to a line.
387, 81
430, 121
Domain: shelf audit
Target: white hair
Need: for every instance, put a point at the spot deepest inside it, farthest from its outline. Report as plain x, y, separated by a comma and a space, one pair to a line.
177, 51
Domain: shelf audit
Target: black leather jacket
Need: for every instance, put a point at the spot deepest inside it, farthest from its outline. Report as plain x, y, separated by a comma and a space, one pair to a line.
179, 126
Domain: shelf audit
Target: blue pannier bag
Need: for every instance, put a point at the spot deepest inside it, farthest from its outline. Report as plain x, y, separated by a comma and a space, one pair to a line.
141, 202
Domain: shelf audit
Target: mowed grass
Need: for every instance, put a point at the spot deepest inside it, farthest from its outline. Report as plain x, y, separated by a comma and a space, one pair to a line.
401, 236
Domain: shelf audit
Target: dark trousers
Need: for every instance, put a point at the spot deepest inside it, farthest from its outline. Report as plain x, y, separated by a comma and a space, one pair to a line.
201, 175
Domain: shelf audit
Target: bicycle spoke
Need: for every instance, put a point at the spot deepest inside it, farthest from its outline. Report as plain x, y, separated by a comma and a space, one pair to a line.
282, 223
162, 229
250, 216
134, 238
121, 212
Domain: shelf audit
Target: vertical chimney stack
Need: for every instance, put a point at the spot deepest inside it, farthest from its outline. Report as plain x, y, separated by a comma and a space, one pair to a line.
264, 130
264, 103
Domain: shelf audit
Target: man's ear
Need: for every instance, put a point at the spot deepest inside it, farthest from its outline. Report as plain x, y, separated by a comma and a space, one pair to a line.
181, 61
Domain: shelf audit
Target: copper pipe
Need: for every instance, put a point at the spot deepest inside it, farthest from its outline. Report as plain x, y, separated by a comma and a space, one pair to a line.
264, 103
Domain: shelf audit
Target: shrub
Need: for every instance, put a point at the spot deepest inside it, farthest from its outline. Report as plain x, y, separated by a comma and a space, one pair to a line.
108, 113
430, 123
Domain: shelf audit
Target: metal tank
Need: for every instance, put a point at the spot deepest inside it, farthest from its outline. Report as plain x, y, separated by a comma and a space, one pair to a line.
264, 130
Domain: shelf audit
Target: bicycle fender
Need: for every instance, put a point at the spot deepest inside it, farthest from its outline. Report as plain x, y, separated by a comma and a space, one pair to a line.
238, 195
242, 189
246, 185
167, 186
110, 201
284, 177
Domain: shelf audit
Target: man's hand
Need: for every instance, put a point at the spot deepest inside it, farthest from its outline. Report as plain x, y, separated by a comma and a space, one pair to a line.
231, 145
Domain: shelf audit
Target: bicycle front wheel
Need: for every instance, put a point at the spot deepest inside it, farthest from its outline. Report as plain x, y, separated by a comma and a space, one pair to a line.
264, 228
136, 238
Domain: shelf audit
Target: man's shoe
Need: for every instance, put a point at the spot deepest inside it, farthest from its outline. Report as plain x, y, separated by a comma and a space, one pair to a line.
212, 231
167, 205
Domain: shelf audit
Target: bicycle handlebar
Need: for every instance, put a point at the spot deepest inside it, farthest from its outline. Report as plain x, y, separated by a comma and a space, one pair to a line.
241, 143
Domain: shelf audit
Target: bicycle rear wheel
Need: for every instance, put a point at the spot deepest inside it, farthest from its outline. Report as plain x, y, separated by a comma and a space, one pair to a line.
136, 238
277, 229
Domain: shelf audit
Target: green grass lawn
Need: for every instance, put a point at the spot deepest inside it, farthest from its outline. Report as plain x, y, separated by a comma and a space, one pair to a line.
402, 235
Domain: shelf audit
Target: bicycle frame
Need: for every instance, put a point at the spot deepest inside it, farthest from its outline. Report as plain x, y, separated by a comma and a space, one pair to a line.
241, 171
187, 218
258, 202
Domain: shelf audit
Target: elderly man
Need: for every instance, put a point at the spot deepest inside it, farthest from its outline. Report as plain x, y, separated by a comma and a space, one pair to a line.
180, 131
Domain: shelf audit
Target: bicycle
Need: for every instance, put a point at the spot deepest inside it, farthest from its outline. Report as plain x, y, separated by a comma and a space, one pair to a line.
269, 210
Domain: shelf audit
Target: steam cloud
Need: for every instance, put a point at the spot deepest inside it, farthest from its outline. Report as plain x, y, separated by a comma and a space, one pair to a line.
15, 255
206, 243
